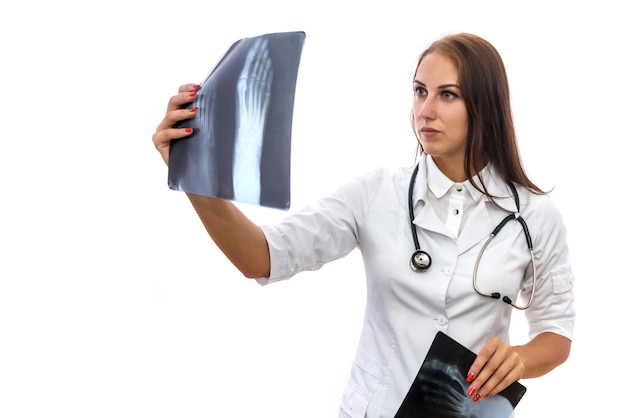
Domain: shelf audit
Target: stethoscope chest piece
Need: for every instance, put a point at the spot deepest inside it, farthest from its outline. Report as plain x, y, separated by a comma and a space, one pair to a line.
420, 261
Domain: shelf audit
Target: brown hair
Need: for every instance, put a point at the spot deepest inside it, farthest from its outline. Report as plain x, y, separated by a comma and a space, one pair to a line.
483, 81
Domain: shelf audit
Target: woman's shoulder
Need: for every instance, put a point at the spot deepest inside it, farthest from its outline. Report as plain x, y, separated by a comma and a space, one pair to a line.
394, 179
536, 200
383, 175
540, 207
379, 183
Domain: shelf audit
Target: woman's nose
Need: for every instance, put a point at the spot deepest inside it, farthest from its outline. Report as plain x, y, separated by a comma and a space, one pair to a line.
425, 109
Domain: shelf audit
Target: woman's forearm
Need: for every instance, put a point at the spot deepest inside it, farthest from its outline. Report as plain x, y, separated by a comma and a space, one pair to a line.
543, 353
242, 241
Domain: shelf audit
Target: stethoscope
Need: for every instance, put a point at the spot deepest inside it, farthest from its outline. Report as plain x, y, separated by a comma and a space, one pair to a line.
421, 260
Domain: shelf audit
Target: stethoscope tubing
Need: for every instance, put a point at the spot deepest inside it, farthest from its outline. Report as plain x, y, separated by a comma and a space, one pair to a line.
421, 260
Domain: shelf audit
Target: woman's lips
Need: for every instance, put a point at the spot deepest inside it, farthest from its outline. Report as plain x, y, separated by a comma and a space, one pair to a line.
429, 132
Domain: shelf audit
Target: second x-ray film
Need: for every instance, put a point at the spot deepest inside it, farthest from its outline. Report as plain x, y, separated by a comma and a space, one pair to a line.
440, 387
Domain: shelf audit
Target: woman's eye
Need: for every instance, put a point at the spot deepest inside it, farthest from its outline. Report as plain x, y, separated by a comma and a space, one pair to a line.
449, 94
419, 91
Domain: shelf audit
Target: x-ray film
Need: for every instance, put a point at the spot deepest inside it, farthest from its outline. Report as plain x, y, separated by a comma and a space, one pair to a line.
440, 387
240, 148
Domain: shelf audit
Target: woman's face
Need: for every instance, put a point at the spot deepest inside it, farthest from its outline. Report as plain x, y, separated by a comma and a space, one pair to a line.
439, 111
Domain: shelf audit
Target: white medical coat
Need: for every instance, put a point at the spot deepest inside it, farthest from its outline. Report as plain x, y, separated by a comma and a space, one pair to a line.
405, 309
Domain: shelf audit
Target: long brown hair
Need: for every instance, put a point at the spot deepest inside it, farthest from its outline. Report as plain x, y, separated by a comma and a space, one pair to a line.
491, 136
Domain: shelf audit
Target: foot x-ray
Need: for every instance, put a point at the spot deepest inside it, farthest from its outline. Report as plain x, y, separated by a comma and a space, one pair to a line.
241, 146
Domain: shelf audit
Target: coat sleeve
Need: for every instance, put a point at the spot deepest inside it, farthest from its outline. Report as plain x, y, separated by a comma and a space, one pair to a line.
322, 232
552, 309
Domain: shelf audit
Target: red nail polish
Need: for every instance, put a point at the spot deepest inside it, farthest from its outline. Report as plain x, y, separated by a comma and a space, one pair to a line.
193, 109
471, 391
196, 86
476, 398
192, 94
188, 130
470, 376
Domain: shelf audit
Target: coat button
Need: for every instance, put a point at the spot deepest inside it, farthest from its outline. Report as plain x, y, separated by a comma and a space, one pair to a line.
442, 320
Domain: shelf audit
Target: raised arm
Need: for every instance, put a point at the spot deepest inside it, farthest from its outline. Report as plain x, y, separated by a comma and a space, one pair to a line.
242, 241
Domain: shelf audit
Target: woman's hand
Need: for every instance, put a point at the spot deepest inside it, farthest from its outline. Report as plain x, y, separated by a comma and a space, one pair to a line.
497, 365
165, 132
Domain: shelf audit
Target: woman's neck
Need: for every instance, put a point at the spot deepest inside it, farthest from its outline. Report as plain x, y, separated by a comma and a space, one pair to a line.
455, 170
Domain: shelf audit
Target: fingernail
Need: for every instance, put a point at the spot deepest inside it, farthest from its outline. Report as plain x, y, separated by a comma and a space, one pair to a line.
188, 130
476, 398
192, 94
193, 109
470, 376
471, 391
196, 86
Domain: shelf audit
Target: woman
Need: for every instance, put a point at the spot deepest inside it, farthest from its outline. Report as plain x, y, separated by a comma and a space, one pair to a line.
469, 179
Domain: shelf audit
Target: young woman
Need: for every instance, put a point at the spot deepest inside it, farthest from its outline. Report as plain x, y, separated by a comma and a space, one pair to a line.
453, 244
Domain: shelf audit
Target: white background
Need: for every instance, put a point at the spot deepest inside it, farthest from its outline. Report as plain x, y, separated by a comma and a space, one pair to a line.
113, 300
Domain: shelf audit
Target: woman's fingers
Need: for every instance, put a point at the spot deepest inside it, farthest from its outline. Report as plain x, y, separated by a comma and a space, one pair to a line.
163, 138
166, 132
496, 366
186, 94
172, 117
